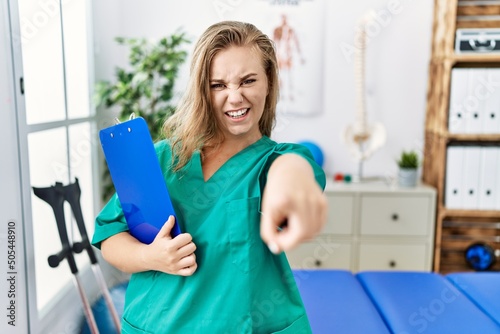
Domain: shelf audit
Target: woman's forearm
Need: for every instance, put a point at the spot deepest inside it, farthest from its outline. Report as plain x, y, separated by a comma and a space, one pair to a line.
291, 194
124, 252
170, 255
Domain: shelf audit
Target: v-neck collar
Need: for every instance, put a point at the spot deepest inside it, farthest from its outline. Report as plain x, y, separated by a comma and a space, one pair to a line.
198, 168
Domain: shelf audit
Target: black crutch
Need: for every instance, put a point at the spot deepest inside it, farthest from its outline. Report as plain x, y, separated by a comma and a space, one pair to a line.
72, 194
55, 198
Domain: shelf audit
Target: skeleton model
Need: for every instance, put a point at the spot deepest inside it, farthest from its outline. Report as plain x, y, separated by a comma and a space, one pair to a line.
362, 139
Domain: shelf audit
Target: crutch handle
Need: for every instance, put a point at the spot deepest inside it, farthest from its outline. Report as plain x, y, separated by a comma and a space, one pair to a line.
78, 247
72, 194
55, 259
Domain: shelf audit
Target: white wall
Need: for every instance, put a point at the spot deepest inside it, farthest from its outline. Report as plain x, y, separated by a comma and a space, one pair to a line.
397, 67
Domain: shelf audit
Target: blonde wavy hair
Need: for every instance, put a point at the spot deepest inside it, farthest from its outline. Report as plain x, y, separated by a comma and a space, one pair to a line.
193, 126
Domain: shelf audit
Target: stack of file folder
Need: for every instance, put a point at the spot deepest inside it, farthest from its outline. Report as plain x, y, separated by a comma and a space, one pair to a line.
474, 101
472, 178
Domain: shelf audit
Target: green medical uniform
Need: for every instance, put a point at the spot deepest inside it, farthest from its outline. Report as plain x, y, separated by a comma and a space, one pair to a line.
239, 286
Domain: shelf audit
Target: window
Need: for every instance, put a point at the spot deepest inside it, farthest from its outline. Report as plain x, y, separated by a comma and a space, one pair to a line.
60, 125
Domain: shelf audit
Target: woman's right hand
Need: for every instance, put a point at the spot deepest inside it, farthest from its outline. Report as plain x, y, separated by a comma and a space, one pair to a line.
171, 255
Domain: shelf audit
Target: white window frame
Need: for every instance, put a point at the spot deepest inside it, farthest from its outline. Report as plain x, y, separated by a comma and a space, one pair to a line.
64, 313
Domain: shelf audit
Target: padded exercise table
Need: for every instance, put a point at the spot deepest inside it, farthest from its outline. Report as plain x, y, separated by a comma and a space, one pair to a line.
335, 302
482, 288
418, 302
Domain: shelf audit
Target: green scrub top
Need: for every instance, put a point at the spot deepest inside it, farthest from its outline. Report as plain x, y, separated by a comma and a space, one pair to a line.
239, 286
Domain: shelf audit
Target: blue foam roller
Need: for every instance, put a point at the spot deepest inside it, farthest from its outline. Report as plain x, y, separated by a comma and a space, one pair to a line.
480, 256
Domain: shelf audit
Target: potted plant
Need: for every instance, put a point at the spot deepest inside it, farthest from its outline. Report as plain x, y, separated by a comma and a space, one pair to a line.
408, 169
145, 87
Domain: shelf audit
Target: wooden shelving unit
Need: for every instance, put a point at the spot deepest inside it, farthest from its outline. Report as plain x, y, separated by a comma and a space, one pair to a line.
477, 14
473, 137
455, 229
465, 59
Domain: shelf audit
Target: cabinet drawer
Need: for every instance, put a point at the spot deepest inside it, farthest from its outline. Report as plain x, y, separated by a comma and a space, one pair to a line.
340, 214
320, 253
395, 216
393, 257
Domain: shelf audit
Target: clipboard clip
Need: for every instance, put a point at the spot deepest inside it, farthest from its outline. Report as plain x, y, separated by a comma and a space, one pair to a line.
131, 117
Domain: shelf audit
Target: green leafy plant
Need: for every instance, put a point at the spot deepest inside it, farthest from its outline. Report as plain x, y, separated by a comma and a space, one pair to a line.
146, 87
408, 159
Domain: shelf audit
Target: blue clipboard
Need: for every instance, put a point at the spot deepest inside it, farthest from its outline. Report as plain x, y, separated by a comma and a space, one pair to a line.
135, 170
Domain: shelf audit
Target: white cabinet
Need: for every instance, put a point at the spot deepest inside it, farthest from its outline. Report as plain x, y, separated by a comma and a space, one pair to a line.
393, 256
340, 214
373, 226
394, 215
321, 253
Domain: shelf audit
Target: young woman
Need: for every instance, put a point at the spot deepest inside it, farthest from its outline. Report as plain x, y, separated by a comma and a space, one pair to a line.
241, 199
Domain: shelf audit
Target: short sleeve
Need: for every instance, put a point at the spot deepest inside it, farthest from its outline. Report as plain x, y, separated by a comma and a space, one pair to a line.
109, 221
301, 150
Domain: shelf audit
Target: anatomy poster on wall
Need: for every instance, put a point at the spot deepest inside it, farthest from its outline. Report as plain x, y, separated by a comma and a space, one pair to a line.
297, 28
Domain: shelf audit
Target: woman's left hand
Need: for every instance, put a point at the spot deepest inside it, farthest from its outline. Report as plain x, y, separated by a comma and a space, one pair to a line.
291, 196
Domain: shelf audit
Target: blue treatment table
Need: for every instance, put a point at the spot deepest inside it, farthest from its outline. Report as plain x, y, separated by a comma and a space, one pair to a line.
399, 302
482, 288
336, 303
416, 302
383, 302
